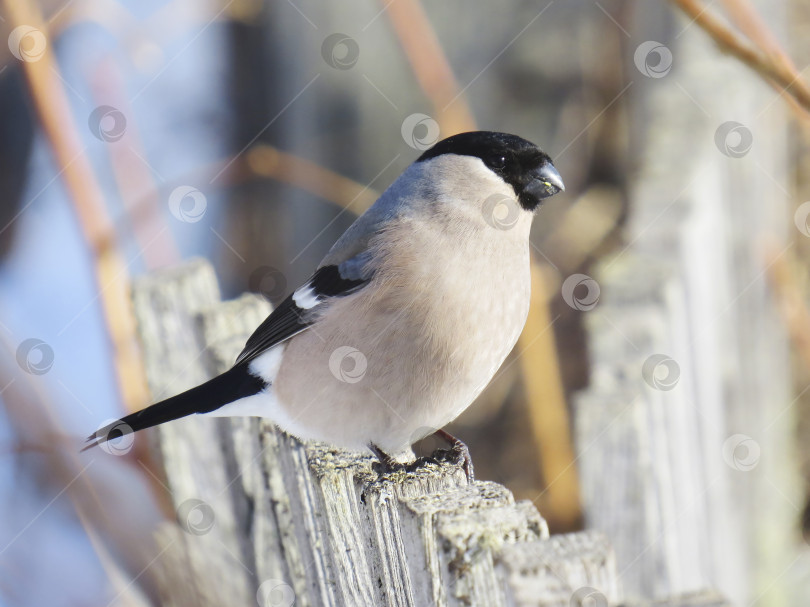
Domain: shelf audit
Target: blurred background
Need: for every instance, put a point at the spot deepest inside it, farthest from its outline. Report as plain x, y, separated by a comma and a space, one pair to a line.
661, 389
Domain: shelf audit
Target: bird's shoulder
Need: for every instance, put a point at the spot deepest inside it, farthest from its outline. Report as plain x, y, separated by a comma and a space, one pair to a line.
300, 309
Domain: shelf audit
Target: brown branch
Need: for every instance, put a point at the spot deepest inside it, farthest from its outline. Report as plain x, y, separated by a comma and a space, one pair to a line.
430, 66
264, 161
548, 415
268, 161
773, 66
53, 109
744, 15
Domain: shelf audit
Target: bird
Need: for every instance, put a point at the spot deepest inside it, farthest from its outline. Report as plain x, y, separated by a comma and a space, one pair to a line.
406, 319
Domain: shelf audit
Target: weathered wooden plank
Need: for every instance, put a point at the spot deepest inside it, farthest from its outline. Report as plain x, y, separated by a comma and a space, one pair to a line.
166, 305
562, 571
658, 458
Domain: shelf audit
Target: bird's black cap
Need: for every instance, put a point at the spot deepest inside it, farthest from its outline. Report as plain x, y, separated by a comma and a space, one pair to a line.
517, 161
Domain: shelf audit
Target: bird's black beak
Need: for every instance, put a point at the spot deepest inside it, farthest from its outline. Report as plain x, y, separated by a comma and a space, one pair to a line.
546, 181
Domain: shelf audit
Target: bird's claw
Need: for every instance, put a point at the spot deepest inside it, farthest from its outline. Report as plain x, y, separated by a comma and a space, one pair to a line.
458, 454
389, 466
382, 468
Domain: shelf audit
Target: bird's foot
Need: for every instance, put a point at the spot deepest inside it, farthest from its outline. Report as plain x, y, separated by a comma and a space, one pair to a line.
421, 462
388, 464
385, 464
458, 454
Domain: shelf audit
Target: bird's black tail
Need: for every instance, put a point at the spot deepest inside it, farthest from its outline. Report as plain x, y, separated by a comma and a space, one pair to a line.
232, 385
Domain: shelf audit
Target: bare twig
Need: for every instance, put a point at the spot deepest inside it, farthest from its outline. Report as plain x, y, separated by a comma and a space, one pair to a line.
430, 66
768, 62
744, 15
268, 161
51, 104
559, 501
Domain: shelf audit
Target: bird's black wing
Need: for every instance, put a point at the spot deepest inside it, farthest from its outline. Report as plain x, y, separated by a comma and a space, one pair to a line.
296, 313
284, 322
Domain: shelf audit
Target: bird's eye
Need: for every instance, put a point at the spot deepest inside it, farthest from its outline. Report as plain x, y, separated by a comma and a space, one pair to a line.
497, 162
